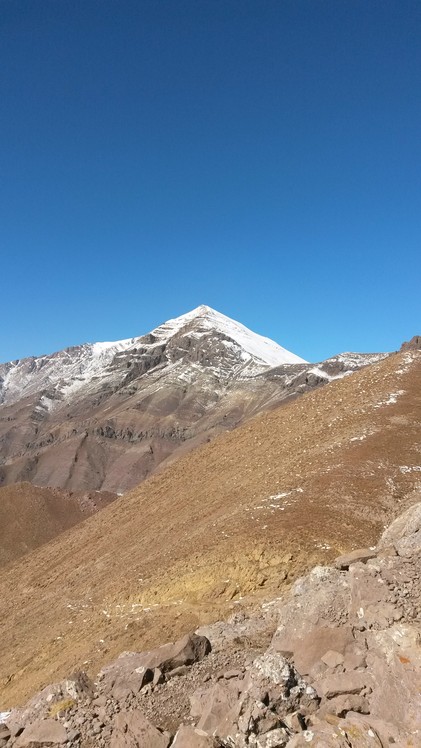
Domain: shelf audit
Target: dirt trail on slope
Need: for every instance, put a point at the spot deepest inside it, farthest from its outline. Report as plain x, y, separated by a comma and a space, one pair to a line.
238, 518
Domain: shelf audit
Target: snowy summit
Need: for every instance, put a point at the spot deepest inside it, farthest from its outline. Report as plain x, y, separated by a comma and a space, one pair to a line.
263, 349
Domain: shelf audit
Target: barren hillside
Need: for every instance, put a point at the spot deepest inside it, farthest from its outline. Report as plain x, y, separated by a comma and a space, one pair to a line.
31, 516
258, 505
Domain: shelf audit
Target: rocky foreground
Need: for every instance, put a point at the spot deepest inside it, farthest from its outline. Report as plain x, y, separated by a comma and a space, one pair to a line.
342, 670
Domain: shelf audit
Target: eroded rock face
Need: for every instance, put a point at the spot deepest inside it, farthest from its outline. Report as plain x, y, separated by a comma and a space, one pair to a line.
343, 670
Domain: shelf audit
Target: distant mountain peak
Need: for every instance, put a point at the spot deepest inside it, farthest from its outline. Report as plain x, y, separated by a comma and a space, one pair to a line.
263, 350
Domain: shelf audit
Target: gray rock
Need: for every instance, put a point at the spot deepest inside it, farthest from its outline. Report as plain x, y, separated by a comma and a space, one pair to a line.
404, 534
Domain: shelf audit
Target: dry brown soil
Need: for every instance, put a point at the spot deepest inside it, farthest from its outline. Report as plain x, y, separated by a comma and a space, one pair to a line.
31, 516
240, 517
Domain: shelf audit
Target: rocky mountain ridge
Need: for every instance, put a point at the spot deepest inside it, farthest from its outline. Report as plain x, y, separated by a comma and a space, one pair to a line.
341, 670
104, 416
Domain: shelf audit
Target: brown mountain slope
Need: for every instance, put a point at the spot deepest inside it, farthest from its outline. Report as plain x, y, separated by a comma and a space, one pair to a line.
31, 516
313, 478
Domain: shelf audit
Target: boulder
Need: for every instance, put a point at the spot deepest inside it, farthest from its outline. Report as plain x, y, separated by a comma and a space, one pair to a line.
344, 683
394, 659
306, 650
359, 555
217, 703
191, 648
320, 600
126, 685
370, 598
404, 534
133, 730
42, 732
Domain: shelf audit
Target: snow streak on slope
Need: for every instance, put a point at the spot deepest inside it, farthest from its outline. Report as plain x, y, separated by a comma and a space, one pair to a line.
67, 370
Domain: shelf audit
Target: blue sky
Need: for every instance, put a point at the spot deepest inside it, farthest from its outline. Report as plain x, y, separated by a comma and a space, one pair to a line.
260, 157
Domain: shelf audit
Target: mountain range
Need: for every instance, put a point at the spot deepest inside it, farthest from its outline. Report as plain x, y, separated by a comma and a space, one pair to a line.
104, 416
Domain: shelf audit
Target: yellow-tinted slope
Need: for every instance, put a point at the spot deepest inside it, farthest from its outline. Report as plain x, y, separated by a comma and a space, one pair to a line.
311, 479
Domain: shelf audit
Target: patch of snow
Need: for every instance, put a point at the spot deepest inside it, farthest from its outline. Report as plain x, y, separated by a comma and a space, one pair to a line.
357, 360
4, 716
319, 373
410, 468
392, 399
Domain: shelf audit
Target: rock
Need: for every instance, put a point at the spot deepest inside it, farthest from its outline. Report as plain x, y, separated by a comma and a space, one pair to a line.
394, 658
412, 345
191, 737
73, 735
318, 601
351, 732
404, 534
4, 731
126, 685
341, 705
370, 598
216, 703
48, 701
274, 739
178, 672
343, 683
232, 674
41, 732
355, 656
191, 648
307, 649
332, 659
198, 701
133, 730
78, 686
158, 677
359, 555
273, 668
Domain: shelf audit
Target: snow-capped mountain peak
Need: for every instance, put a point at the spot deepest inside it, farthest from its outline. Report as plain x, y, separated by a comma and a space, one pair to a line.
205, 319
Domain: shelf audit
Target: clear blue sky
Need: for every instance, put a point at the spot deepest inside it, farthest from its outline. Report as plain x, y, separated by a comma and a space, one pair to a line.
262, 157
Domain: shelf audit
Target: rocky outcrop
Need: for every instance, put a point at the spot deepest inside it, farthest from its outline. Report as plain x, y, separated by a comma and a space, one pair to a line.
342, 670
412, 345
